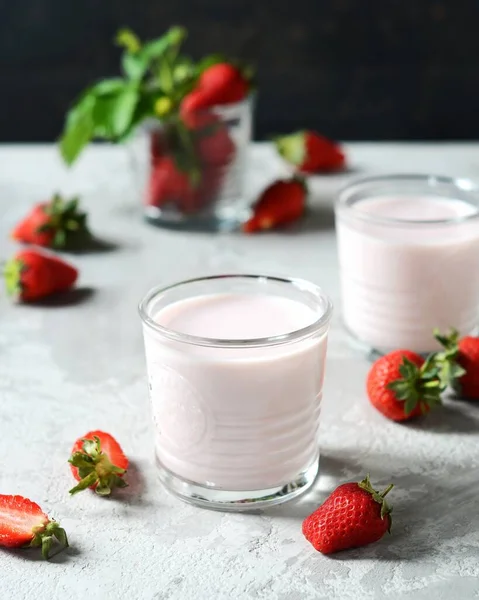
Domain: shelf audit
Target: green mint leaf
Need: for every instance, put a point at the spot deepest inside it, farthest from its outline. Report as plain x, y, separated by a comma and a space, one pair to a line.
124, 110
144, 109
135, 65
156, 49
127, 39
113, 114
108, 86
79, 129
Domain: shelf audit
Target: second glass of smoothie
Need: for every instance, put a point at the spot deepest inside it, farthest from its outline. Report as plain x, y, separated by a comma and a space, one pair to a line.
409, 260
236, 366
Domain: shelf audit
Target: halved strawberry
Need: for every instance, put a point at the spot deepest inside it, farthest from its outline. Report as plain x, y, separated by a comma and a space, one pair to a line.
24, 524
98, 462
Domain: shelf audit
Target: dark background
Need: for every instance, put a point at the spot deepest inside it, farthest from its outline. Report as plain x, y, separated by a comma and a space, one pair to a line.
353, 69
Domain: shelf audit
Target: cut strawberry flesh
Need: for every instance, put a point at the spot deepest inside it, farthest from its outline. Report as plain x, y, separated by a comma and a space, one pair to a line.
18, 518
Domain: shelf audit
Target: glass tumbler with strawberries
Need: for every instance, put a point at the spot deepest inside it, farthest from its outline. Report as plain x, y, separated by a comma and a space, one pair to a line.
188, 125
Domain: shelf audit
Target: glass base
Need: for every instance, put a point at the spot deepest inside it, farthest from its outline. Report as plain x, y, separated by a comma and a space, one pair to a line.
237, 501
369, 351
211, 221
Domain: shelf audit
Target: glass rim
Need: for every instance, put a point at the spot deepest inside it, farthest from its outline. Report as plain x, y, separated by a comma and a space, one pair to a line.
277, 340
221, 110
461, 184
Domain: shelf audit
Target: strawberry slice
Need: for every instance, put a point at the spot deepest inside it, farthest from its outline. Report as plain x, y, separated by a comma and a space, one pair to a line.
98, 462
24, 524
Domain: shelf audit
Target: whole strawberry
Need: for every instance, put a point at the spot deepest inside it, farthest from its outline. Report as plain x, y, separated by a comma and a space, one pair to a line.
168, 184
24, 524
215, 146
310, 152
402, 385
98, 462
55, 224
32, 275
220, 83
282, 202
354, 515
459, 363
227, 82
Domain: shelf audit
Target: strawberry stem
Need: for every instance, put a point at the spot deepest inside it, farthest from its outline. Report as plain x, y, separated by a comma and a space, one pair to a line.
366, 485
387, 490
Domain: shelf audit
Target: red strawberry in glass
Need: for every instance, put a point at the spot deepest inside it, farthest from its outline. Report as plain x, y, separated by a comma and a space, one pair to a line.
168, 184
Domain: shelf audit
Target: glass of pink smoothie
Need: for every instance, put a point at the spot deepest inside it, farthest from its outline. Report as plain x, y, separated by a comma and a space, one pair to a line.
409, 259
235, 367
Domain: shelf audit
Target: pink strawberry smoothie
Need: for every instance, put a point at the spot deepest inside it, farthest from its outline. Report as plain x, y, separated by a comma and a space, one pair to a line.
242, 417
408, 264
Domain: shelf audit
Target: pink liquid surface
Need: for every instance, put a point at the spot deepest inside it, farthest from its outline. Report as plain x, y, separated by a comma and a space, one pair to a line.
401, 280
236, 418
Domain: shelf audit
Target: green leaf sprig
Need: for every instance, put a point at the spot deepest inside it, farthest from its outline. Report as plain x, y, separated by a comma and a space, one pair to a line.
112, 108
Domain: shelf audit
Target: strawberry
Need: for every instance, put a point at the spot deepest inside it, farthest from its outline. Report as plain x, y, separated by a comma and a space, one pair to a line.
226, 81
402, 385
459, 363
212, 177
310, 152
32, 275
98, 462
54, 224
156, 146
354, 515
215, 146
197, 101
280, 203
220, 83
24, 524
168, 184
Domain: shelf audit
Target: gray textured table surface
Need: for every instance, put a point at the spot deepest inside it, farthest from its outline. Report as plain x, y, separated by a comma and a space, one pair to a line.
67, 369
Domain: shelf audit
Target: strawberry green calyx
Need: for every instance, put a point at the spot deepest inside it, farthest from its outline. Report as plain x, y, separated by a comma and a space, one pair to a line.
43, 537
12, 273
95, 469
449, 369
66, 222
418, 385
292, 147
386, 509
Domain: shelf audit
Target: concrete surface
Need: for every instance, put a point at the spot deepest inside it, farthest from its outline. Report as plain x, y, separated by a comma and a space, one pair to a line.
69, 368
